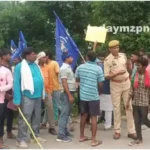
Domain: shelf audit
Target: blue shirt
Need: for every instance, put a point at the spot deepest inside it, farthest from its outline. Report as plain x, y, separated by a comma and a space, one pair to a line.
90, 75
37, 82
106, 86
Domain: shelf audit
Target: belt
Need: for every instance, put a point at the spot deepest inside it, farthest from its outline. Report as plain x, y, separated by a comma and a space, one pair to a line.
120, 81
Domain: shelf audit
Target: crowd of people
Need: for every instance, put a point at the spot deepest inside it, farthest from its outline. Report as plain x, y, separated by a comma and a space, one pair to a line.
103, 81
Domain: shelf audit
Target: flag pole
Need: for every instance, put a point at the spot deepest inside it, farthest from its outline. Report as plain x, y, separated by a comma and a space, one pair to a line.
94, 46
66, 33
81, 56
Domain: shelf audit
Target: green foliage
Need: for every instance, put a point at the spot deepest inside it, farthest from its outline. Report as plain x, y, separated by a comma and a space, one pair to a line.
37, 21
124, 14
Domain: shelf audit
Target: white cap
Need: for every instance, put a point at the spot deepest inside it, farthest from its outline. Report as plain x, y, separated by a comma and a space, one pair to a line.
40, 55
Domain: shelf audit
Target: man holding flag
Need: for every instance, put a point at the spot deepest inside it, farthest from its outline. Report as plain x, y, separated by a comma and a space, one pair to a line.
69, 87
67, 52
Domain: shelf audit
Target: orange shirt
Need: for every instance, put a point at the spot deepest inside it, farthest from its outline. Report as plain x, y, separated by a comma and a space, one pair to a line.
53, 69
47, 79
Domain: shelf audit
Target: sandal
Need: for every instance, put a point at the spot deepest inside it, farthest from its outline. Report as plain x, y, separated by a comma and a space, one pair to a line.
11, 136
96, 143
136, 142
3, 146
43, 126
85, 139
14, 128
117, 136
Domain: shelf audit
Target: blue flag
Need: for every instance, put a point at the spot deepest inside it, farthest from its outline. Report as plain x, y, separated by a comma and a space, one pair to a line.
22, 42
21, 46
13, 47
64, 43
15, 55
14, 50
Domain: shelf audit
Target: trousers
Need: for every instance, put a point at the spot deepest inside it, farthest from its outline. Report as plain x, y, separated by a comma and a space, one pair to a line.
64, 115
120, 91
49, 113
9, 116
140, 114
56, 104
31, 109
2, 117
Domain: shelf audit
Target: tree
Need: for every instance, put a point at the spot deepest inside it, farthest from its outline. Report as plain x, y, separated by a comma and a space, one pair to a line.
124, 14
37, 21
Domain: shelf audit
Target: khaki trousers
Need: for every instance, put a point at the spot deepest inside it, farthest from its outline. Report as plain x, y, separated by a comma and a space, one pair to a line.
120, 91
50, 112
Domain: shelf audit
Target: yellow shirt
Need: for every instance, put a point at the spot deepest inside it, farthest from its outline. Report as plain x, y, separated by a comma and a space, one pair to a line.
114, 64
53, 69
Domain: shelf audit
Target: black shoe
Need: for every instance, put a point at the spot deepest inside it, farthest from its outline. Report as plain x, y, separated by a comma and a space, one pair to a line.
52, 131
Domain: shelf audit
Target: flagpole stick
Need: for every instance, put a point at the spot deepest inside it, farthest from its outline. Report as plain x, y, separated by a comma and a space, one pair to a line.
77, 64
30, 128
94, 46
81, 56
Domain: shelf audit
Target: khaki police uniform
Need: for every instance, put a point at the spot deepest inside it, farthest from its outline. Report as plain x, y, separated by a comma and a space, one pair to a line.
119, 88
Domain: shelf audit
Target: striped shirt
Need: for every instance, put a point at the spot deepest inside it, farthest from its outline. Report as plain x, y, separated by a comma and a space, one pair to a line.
90, 75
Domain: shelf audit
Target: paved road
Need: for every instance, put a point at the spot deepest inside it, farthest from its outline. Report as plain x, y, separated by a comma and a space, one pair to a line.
105, 136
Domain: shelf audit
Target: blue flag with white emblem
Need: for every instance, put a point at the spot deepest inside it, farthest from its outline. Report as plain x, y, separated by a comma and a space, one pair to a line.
14, 50
15, 55
21, 46
13, 46
64, 43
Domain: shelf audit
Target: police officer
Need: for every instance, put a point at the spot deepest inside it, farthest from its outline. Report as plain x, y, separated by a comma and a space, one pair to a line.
115, 69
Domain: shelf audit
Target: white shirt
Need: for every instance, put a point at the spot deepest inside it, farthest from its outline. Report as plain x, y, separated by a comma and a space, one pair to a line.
67, 73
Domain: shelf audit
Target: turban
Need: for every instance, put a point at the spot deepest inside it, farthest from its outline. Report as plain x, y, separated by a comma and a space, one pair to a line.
40, 55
